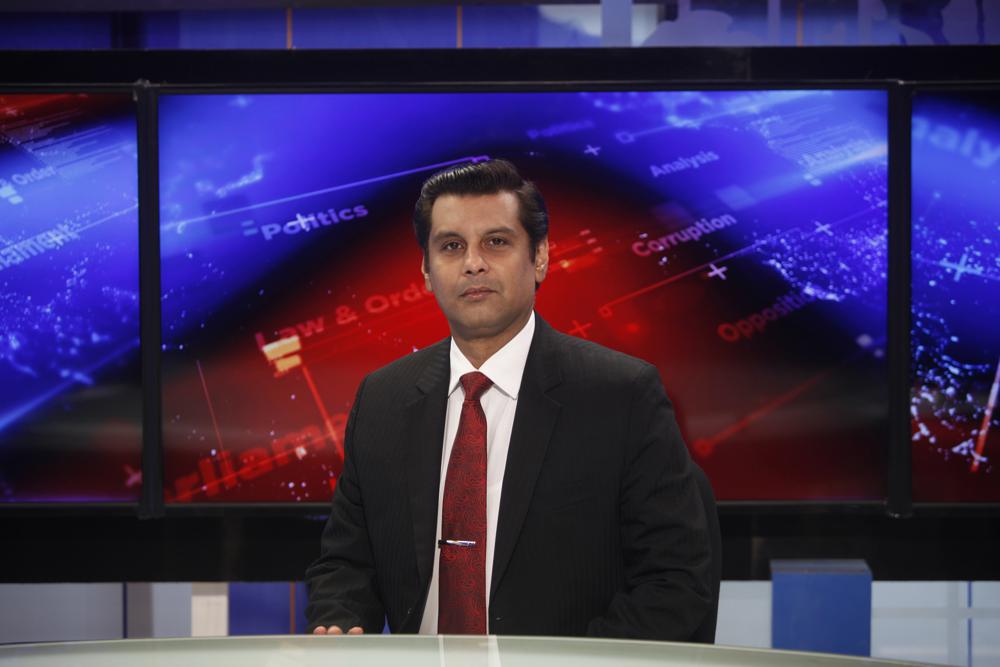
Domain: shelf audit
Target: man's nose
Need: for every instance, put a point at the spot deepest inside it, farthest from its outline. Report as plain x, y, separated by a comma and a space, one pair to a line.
475, 262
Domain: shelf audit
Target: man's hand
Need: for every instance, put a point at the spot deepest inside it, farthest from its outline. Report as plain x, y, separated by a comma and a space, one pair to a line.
335, 630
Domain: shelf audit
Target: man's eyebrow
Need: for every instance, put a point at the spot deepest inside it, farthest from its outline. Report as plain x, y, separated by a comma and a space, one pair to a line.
445, 234
499, 230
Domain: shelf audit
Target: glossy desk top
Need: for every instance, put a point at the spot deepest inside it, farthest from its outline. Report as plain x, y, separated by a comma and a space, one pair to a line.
408, 650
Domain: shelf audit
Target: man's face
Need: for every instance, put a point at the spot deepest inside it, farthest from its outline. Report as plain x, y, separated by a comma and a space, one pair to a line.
479, 264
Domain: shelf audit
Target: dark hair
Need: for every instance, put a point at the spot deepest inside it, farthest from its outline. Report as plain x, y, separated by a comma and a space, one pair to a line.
488, 177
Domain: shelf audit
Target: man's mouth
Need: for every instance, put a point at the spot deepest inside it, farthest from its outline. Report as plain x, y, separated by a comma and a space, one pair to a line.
476, 292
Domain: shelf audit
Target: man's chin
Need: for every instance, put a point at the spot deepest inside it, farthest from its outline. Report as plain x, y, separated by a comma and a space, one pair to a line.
471, 329
479, 325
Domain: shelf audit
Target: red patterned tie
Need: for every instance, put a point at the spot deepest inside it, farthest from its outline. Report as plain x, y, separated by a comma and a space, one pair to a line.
462, 582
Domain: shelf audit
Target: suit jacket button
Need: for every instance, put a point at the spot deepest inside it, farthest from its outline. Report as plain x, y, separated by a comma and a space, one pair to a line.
409, 611
498, 618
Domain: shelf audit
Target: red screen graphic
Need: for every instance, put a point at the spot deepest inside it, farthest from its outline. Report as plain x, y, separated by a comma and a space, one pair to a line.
260, 415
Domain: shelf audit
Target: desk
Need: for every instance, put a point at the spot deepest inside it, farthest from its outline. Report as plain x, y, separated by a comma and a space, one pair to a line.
410, 651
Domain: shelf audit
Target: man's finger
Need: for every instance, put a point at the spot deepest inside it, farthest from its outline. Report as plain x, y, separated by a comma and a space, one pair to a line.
334, 630
356, 630
319, 630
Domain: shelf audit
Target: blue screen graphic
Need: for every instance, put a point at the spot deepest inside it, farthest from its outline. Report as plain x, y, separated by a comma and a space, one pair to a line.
69, 289
736, 239
956, 296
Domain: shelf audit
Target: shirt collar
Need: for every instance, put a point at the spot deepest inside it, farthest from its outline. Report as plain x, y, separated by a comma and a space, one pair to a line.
505, 368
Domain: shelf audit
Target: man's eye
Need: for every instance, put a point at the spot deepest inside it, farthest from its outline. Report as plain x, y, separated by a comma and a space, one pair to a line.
451, 246
496, 242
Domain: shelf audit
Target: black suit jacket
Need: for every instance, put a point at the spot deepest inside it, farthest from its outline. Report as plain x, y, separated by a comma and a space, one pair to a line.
601, 530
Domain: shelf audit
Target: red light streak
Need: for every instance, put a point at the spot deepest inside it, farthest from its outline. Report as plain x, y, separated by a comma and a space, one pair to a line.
987, 418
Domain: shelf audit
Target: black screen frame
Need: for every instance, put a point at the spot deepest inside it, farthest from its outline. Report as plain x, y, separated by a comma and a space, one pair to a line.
895, 494
911, 89
75, 507
267, 543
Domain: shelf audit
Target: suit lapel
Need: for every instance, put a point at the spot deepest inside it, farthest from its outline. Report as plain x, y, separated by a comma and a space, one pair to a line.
425, 428
534, 421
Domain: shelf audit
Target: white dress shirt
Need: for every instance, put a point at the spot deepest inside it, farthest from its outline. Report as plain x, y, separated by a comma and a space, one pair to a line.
505, 368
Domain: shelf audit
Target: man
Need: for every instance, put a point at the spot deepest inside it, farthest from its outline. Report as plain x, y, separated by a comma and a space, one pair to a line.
510, 479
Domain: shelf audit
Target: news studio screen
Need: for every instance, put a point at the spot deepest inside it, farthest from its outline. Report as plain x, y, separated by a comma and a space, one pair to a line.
70, 405
955, 339
735, 239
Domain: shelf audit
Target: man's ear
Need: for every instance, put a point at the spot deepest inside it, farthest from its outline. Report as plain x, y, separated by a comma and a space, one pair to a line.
541, 260
427, 274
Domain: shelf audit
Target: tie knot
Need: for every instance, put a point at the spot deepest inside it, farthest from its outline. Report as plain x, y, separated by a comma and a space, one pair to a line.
474, 384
